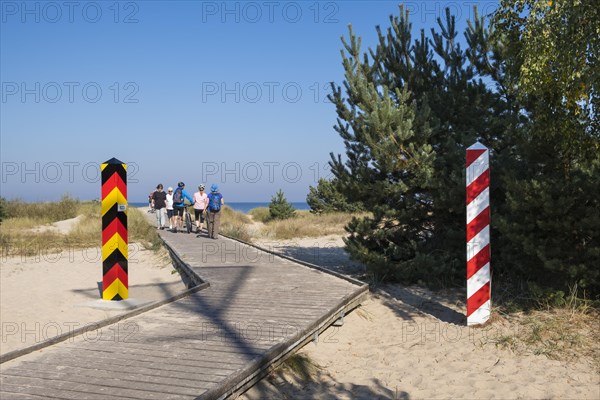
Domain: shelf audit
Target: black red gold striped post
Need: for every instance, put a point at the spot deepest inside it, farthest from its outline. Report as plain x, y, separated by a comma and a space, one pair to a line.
114, 230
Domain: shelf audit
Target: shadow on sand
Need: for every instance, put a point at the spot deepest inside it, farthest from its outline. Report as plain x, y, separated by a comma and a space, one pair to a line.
321, 386
405, 301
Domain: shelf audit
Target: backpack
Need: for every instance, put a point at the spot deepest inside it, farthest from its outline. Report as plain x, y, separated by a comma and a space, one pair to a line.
178, 196
214, 203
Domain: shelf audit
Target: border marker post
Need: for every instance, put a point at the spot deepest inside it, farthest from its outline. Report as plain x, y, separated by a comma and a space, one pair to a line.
478, 235
114, 230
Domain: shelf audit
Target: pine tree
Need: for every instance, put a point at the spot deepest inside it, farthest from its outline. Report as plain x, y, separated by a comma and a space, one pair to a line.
327, 198
279, 208
389, 167
406, 121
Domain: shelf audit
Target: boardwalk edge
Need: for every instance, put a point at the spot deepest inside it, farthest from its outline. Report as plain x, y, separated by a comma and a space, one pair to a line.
234, 386
282, 352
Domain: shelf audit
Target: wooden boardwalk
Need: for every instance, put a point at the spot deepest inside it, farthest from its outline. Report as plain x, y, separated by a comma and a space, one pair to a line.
214, 343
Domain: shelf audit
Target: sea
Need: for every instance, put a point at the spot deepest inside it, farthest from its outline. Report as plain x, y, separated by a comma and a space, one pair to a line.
241, 206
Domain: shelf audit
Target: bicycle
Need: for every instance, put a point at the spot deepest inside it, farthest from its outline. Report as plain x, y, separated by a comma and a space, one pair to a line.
187, 219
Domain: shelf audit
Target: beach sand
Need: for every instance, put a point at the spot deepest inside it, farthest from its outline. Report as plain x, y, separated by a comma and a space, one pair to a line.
48, 294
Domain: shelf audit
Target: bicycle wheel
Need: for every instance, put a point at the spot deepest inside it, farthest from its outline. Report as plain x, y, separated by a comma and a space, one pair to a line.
188, 222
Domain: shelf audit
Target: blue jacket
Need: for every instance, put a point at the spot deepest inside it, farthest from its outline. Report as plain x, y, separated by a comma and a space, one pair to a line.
184, 195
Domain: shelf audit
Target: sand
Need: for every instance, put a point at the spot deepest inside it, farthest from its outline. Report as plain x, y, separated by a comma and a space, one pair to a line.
48, 294
410, 343
63, 226
402, 343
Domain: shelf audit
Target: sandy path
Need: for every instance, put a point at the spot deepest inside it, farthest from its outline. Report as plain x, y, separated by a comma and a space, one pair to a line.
63, 226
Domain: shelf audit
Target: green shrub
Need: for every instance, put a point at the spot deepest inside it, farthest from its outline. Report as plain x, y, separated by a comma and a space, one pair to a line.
2, 208
279, 208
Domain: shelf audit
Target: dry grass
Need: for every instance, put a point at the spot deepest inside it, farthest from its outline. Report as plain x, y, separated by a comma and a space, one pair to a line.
363, 313
300, 366
18, 238
23, 223
568, 332
43, 213
140, 230
235, 224
306, 224
260, 214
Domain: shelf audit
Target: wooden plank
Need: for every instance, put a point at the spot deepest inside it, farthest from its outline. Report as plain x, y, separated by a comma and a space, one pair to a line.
183, 358
79, 391
6, 392
195, 374
130, 380
208, 373
180, 351
9, 389
121, 382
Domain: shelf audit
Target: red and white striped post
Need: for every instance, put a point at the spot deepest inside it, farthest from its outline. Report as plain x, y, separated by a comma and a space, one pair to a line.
479, 286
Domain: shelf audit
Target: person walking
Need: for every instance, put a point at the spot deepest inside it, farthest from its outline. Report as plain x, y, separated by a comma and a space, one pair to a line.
169, 207
200, 203
179, 197
159, 199
150, 208
215, 201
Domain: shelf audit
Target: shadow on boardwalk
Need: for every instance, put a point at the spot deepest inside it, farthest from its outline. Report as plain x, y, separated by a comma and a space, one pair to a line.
217, 326
329, 253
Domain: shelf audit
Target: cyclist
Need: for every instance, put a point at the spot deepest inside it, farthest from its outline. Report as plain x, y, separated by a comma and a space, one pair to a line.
179, 203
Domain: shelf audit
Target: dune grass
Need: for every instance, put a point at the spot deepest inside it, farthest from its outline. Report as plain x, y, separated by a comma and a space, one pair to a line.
22, 215
18, 237
300, 366
260, 214
306, 224
566, 331
235, 224
140, 230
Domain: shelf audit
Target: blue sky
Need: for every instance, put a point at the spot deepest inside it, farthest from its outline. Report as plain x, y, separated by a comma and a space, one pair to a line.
201, 91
